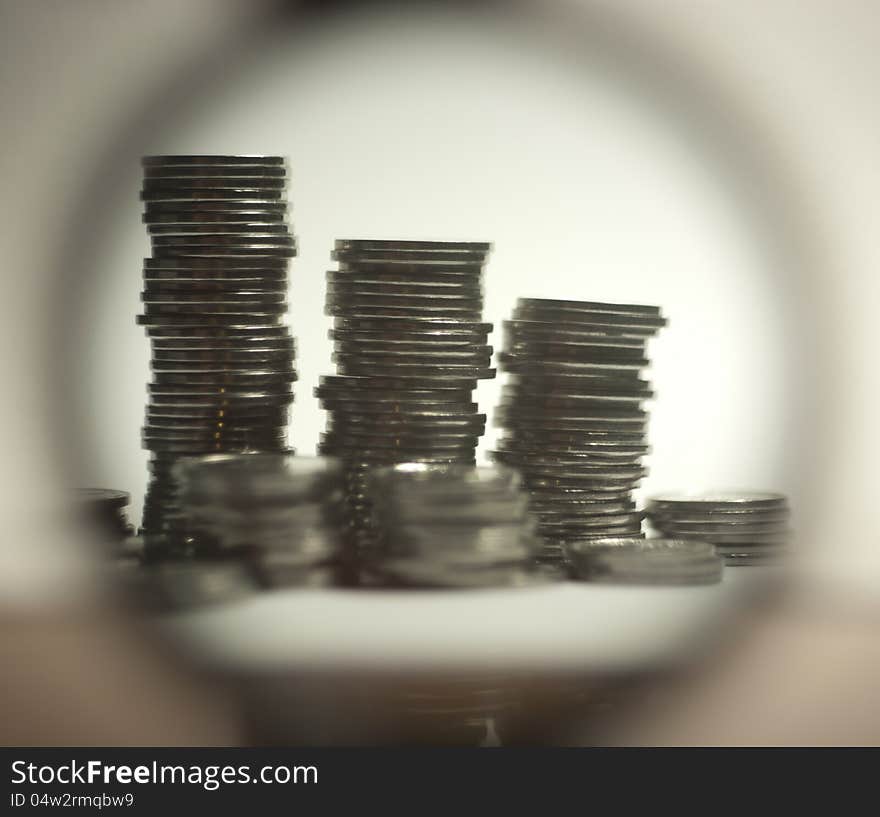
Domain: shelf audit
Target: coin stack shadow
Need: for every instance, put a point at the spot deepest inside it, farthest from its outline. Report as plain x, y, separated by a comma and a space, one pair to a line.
451, 526
280, 513
410, 346
571, 415
745, 528
215, 301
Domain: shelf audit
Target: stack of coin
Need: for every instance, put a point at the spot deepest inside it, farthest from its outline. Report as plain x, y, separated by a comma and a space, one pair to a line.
451, 526
450, 711
410, 346
282, 514
215, 293
745, 528
632, 560
104, 509
571, 414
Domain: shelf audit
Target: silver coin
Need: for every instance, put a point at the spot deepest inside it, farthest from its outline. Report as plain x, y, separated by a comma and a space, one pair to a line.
444, 398
223, 238
661, 550
245, 300
415, 340
375, 456
403, 438
588, 311
527, 310
623, 408
398, 446
212, 159
719, 501
223, 359
423, 360
587, 521
409, 273
589, 459
550, 484
272, 214
410, 325
603, 362
365, 283
534, 330
245, 389
210, 346
451, 257
391, 283
238, 195
215, 170
517, 421
403, 414
193, 228
223, 331
712, 529
606, 446
249, 278
559, 331
592, 306
251, 250
236, 289
416, 370
381, 312
568, 466
366, 351
216, 320
406, 244
400, 351
368, 423
561, 508
397, 295
167, 180
733, 537
553, 389
218, 266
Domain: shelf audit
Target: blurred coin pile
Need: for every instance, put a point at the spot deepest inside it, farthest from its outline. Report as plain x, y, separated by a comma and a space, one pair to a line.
104, 509
280, 513
410, 346
571, 414
215, 299
451, 526
745, 528
633, 560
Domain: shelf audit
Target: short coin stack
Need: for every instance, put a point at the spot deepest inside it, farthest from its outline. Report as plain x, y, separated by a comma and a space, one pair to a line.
105, 508
280, 513
410, 346
451, 526
745, 528
215, 299
572, 416
645, 561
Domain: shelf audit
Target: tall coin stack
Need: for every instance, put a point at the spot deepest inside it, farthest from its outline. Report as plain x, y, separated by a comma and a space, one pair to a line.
215, 301
745, 528
572, 416
410, 346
